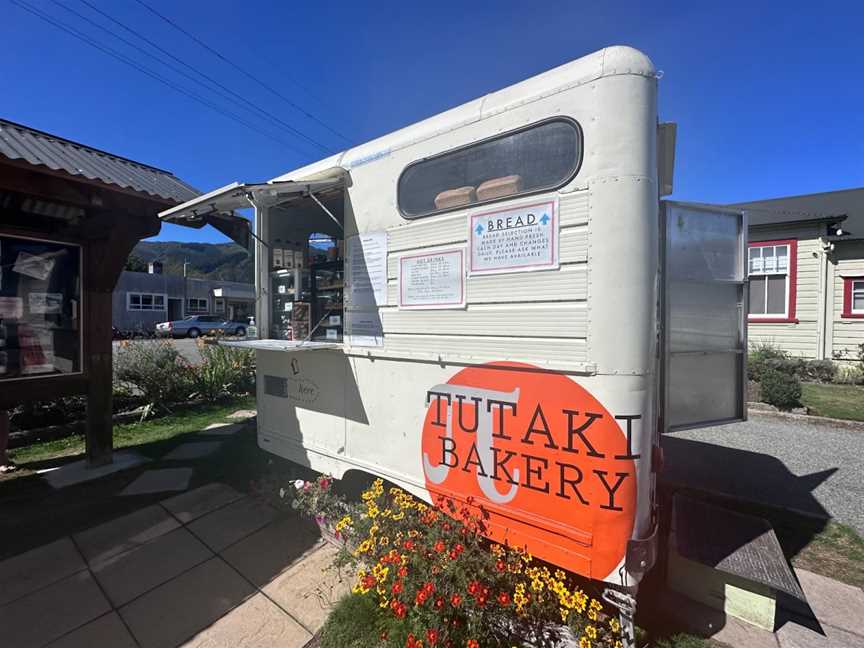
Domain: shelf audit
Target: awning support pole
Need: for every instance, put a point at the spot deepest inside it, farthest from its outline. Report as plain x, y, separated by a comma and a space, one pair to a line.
326, 211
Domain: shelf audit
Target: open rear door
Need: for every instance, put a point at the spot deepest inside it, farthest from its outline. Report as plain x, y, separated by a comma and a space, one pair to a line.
704, 306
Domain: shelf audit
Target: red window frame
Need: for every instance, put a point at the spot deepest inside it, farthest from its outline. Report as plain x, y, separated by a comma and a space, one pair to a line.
793, 283
847, 298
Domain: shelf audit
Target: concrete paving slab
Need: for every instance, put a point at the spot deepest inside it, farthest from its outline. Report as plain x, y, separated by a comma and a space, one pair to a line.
792, 635
222, 429
129, 575
309, 590
33, 570
107, 631
51, 612
77, 472
258, 623
160, 481
124, 533
189, 506
243, 414
267, 553
231, 523
176, 611
195, 450
834, 603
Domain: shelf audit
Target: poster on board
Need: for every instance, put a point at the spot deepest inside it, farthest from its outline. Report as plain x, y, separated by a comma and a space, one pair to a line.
514, 239
432, 280
367, 269
365, 329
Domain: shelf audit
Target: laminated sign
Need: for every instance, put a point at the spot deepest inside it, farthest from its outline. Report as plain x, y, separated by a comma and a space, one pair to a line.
517, 239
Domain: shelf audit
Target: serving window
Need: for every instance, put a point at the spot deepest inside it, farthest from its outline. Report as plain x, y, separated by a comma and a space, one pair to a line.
40, 305
539, 157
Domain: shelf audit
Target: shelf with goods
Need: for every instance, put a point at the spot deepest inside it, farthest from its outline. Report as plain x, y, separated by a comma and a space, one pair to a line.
327, 296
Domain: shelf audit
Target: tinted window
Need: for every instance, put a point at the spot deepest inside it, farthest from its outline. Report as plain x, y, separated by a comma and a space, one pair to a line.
540, 157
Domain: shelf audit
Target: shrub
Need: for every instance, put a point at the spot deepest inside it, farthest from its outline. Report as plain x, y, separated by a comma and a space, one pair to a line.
434, 579
849, 375
763, 356
223, 371
780, 389
822, 371
156, 371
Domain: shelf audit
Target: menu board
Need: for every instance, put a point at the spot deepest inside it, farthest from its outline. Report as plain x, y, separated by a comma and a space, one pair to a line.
40, 297
367, 268
435, 280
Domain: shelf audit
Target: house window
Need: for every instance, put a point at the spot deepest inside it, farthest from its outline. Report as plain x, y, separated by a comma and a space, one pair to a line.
772, 267
853, 297
145, 302
196, 305
219, 305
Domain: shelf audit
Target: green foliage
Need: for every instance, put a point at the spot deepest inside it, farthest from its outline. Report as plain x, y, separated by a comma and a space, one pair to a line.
780, 389
220, 261
224, 370
765, 356
685, 641
156, 371
353, 623
134, 263
849, 375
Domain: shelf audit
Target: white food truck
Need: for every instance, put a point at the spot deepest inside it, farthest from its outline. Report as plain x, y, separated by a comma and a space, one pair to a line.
504, 308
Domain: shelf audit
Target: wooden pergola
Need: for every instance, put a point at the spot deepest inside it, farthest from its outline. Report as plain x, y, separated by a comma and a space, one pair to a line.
58, 191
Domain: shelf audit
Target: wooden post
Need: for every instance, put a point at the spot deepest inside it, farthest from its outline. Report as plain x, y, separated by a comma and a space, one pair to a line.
105, 255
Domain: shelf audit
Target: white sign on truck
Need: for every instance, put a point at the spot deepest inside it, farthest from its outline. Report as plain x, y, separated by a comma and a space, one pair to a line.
517, 239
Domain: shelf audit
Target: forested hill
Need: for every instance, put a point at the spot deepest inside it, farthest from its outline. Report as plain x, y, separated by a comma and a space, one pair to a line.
221, 261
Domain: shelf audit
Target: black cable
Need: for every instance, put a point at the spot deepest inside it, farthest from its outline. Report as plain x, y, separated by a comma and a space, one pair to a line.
124, 59
240, 69
234, 97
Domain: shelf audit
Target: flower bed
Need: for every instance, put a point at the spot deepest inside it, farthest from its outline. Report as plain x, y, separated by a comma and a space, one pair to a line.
436, 581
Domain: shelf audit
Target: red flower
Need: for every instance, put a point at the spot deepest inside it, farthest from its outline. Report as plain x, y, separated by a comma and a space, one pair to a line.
439, 603
399, 611
504, 598
409, 544
397, 587
324, 483
413, 642
473, 587
403, 571
453, 554
383, 636
455, 600
421, 597
446, 526
428, 587
368, 581
432, 636
481, 600
485, 591
472, 643
439, 546
501, 566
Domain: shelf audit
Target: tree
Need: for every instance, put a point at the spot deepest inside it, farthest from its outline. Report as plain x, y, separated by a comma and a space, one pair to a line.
134, 263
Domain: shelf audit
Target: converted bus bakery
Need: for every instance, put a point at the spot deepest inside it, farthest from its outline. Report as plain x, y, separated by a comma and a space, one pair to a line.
506, 310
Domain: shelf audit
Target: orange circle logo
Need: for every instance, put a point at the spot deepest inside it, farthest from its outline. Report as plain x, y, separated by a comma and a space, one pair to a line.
553, 468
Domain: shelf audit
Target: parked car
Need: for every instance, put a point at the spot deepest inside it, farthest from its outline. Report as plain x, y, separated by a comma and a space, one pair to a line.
196, 325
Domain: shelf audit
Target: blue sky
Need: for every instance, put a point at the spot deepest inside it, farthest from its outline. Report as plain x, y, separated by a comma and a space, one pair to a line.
769, 99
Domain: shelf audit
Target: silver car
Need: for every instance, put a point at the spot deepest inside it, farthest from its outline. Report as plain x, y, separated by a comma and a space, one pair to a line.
196, 325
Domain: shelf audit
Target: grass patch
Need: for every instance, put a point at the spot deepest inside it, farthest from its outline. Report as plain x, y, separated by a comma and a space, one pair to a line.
836, 551
835, 401
351, 624
191, 419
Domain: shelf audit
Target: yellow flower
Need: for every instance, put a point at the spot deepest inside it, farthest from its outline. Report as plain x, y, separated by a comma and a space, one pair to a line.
383, 541
592, 614
584, 642
365, 546
613, 623
591, 631
398, 516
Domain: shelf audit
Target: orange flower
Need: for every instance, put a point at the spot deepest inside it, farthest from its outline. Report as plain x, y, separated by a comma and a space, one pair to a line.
439, 546
472, 643
455, 600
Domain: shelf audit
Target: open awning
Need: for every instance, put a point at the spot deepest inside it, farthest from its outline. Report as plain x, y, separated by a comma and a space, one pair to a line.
217, 207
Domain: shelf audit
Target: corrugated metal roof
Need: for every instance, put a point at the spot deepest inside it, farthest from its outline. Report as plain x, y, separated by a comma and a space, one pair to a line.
18, 142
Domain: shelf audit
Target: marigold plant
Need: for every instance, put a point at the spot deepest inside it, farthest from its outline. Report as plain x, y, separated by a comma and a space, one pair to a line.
437, 581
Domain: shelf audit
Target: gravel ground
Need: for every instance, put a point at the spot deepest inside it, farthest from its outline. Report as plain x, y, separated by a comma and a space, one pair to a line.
807, 465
